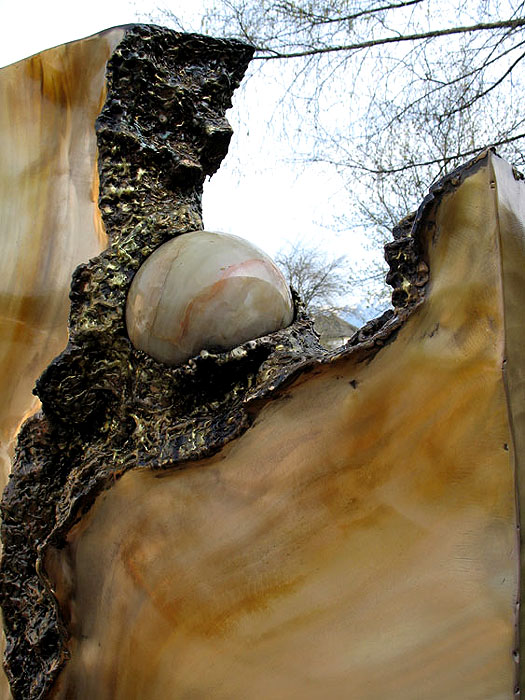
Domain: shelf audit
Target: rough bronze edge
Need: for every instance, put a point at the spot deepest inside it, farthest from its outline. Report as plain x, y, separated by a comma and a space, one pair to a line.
108, 408
514, 447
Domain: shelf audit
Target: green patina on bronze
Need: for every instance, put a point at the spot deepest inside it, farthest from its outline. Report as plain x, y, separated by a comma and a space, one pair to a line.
107, 407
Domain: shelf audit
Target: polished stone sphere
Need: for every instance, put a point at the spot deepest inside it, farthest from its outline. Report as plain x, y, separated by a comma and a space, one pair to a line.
205, 291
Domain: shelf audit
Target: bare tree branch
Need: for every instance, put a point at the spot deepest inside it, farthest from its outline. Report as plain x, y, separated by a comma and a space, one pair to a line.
483, 93
318, 20
442, 160
270, 54
318, 279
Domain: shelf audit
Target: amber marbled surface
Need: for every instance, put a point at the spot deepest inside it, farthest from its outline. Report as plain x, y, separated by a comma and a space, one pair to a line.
358, 541
49, 220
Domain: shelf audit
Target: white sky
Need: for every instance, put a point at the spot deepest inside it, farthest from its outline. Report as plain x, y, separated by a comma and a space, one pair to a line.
255, 194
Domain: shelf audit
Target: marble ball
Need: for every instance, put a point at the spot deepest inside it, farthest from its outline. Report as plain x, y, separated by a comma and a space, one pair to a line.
205, 291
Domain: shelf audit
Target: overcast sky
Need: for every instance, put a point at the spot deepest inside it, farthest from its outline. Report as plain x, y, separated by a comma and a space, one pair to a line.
258, 193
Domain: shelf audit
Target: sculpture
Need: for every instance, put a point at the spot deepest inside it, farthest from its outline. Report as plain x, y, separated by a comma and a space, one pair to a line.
271, 520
